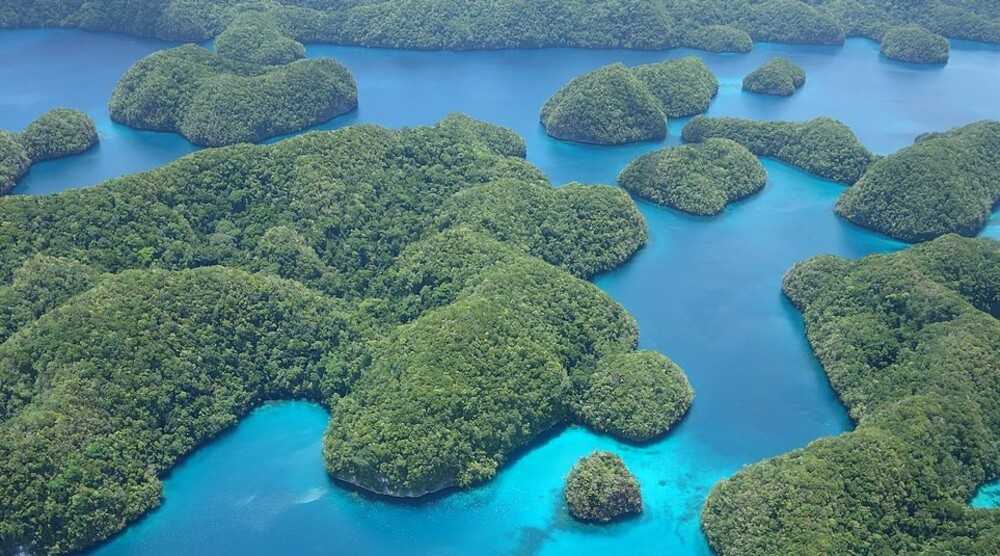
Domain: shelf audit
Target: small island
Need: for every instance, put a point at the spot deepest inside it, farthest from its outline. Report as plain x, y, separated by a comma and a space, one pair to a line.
601, 489
56, 134
215, 101
256, 38
615, 104
943, 183
607, 106
779, 77
916, 45
699, 178
635, 396
822, 146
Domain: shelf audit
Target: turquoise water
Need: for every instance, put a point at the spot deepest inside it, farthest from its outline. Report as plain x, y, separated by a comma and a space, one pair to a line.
705, 291
988, 496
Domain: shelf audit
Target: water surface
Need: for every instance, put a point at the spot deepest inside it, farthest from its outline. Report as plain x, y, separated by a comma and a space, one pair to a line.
706, 291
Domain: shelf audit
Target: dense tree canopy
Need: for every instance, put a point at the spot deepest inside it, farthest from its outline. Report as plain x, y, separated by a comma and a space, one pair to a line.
779, 76
911, 343
698, 178
609, 105
57, 133
912, 43
214, 101
684, 87
395, 276
601, 489
943, 183
469, 24
822, 146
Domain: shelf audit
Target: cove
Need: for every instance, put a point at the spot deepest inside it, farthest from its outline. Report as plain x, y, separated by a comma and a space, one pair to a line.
706, 292
988, 496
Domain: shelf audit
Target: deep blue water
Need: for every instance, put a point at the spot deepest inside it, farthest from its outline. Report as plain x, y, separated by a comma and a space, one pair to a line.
706, 292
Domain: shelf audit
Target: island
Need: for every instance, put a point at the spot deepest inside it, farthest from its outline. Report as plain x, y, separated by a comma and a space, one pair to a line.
916, 45
943, 183
213, 100
390, 275
615, 104
909, 341
607, 106
700, 178
822, 146
601, 489
56, 134
779, 77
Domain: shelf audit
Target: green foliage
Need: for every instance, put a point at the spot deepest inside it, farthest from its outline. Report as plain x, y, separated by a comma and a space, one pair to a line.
911, 343
124, 345
215, 101
255, 38
14, 161
778, 76
914, 44
943, 183
700, 179
718, 38
822, 146
717, 25
637, 396
609, 105
791, 21
684, 86
615, 104
57, 133
601, 489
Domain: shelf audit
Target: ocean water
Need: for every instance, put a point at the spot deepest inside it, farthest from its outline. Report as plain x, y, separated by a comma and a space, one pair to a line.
705, 291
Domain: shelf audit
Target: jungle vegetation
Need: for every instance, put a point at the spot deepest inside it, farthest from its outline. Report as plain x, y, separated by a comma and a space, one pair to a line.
615, 104
453, 24
426, 285
943, 183
700, 178
601, 489
911, 343
779, 76
914, 44
214, 100
822, 146
56, 134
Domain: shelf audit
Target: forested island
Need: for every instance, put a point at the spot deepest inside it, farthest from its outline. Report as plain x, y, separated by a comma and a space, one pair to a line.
601, 489
914, 44
943, 183
56, 134
700, 178
213, 100
615, 104
911, 343
718, 25
822, 146
393, 276
779, 76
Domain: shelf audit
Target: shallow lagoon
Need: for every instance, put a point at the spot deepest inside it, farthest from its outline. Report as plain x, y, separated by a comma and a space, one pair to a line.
705, 292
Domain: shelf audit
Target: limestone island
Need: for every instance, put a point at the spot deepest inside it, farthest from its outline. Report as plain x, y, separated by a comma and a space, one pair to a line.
823, 146
213, 100
615, 104
779, 77
916, 45
445, 327
600, 489
911, 344
943, 183
58, 133
700, 178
